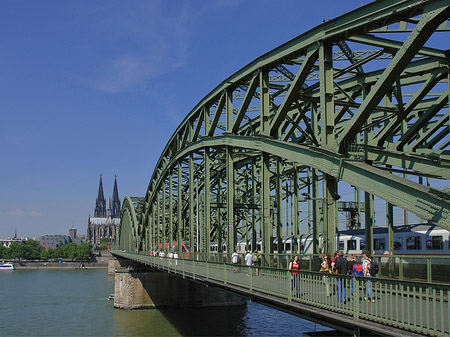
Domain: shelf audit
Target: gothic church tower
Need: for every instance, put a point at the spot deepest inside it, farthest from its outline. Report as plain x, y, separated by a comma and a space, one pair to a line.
100, 202
115, 201
106, 221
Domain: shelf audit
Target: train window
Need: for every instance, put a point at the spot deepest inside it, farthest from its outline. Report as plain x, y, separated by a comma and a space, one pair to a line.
351, 244
413, 242
301, 248
362, 244
341, 245
435, 242
288, 246
449, 242
398, 243
379, 244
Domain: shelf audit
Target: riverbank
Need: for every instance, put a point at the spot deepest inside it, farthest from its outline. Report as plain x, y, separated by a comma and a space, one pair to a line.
62, 265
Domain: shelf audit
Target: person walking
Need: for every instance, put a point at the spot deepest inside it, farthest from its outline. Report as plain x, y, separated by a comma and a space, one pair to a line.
341, 282
175, 256
366, 270
294, 267
325, 267
256, 257
234, 260
248, 261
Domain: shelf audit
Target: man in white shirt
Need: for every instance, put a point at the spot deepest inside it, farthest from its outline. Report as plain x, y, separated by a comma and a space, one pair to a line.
366, 269
248, 261
175, 256
234, 260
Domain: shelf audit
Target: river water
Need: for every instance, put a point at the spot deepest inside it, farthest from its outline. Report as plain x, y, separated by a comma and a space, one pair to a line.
44, 302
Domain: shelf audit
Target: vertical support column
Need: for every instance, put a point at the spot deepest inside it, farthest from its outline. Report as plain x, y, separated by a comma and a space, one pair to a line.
266, 223
327, 96
316, 212
279, 201
358, 200
330, 213
219, 216
254, 236
170, 210
159, 221
229, 110
390, 223
207, 188
163, 214
264, 101
328, 140
179, 209
207, 194
191, 202
155, 226
295, 210
369, 222
231, 231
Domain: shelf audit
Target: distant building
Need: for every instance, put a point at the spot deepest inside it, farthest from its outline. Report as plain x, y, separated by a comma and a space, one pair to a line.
53, 241
73, 233
7, 242
106, 221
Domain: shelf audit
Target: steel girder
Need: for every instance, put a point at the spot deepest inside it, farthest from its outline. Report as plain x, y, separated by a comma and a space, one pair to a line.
325, 103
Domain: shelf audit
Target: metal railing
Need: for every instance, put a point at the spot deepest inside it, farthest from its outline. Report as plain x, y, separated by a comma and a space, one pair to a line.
415, 306
425, 268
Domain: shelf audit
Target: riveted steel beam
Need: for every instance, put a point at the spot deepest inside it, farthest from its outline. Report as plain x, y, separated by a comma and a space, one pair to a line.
427, 24
426, 202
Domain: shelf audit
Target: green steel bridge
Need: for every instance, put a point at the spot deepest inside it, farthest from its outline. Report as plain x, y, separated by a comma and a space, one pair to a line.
358, 106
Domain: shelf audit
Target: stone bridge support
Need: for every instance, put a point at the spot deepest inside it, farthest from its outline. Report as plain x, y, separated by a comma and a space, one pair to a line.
137, 286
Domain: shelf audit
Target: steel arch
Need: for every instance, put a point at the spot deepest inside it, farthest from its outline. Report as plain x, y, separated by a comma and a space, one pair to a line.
359, 99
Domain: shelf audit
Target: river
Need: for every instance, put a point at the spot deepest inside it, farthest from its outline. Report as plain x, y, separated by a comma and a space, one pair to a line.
44, 302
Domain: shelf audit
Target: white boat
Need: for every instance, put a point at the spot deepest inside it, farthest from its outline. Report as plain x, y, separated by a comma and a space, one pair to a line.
7, 266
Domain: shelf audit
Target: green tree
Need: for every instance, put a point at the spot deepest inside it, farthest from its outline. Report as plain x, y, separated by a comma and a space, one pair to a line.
16, 250
85, 251
32, 250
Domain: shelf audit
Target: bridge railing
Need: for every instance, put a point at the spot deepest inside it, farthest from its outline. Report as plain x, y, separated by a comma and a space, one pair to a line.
429, 268
416, 306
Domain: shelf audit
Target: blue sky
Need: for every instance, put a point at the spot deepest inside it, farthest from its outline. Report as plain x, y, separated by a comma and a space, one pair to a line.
90, 87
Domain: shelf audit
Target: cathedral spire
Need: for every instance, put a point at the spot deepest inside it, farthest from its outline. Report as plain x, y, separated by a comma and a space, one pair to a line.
100, 203
115, 200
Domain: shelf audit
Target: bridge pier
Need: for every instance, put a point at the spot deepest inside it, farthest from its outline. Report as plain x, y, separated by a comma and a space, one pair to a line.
141, 287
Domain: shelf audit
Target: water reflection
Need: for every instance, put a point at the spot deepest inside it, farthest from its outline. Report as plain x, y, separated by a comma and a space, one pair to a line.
208, 321
148, 322
252, 319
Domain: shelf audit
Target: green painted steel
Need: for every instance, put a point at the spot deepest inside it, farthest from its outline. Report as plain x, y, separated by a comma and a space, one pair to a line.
407, 305
344, 106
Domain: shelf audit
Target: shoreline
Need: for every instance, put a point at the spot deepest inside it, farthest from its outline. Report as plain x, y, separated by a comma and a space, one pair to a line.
62, 265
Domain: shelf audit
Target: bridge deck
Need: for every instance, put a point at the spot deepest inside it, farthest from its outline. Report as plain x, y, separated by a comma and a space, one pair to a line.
400, 307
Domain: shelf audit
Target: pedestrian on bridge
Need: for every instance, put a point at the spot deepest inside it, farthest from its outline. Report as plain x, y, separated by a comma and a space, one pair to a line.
325, 267
175, 256
248, 261
341, 282
234, 260
366, 269
294, 267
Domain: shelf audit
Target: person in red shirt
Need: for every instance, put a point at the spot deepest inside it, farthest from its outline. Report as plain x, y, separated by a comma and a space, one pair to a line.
294, 267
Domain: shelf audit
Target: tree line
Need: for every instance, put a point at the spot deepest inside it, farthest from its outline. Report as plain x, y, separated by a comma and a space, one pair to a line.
32, 250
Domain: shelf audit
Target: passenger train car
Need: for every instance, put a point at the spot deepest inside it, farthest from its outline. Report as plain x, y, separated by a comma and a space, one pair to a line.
419, 239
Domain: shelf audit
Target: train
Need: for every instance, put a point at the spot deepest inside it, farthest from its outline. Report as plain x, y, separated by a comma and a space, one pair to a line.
416, 239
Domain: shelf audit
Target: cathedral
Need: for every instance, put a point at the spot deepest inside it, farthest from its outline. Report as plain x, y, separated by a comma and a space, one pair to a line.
106, 221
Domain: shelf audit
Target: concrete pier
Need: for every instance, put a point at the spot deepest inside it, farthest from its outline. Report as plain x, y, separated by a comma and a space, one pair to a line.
137, 287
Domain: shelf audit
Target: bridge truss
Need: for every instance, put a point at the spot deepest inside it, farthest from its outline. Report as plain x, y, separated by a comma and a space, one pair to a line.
360, 102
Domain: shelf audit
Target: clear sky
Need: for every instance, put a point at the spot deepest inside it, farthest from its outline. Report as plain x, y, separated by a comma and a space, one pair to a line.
99, 86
